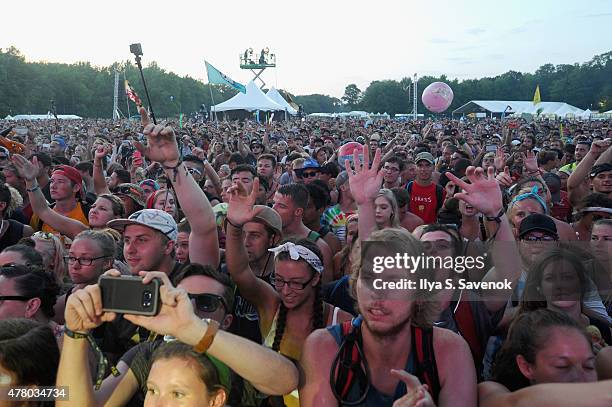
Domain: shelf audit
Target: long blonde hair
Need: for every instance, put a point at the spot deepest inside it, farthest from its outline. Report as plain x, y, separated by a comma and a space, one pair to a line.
390, 197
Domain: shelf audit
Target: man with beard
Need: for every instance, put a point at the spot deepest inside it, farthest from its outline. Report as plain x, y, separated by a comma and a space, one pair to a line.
389, 348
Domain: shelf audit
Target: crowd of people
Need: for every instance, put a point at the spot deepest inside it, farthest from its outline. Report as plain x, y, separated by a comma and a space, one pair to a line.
262, 238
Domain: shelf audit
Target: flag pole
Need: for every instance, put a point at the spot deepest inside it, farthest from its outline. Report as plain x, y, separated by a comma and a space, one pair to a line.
127, 101
212, 99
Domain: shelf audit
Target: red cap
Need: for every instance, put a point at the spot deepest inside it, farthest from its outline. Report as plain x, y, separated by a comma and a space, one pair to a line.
69, 172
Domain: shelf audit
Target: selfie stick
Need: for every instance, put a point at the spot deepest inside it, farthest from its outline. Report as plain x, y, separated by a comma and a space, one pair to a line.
137, 55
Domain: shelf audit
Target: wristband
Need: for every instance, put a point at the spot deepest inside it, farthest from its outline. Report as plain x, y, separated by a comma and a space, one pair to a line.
174, 169
34, 188
209, 336
74, 335
496, 219
233, 224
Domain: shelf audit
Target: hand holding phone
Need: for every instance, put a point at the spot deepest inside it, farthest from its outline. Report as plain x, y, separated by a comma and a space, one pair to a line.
129, 295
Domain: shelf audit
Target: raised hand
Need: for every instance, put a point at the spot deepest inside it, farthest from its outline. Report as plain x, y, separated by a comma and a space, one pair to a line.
500, 159
505, 178
531, 162
26, 169
365, 182
240, 209
161, 142
598, 147
84, 310
483, 193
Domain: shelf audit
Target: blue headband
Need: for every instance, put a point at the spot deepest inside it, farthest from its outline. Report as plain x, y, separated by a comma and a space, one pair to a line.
533, 194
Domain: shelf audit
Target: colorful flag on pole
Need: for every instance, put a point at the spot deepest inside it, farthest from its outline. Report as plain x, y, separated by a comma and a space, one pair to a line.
215, 77
131, 93
536, 96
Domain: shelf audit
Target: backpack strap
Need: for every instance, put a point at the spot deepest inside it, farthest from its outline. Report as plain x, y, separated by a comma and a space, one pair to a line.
346, 370
464, 319
426, 367
313, 236
439, 197
409, 186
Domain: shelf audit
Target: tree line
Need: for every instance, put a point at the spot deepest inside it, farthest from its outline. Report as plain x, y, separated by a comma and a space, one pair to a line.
86, 90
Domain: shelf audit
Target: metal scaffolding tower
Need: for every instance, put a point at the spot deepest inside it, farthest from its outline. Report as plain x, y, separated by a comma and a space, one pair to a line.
414, 98
116, 113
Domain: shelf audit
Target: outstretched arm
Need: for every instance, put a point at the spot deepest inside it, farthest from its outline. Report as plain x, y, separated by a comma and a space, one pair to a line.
61, 223
246, 358
100, 186
256, 291
483, 193
162, 147
365, 182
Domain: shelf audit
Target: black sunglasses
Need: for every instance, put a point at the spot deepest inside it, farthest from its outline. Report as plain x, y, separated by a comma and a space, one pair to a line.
14, 298
209, 302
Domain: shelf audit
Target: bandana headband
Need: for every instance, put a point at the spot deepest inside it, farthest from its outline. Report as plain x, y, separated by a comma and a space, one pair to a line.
297, 252
533, 194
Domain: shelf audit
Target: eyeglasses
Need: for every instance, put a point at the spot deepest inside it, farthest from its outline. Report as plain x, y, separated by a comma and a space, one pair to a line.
209, 302
545, 238
437, 245
293, 285
194, 171
81, 260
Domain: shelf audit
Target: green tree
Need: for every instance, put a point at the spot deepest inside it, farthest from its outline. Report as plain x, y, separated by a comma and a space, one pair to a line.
352, 96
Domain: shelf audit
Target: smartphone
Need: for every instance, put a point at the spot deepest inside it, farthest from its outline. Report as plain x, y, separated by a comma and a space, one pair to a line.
491, 147
128, 295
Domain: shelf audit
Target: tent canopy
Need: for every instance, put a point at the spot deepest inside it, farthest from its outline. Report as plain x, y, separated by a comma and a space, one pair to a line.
45, 117
278, 98
254, 99
519, 107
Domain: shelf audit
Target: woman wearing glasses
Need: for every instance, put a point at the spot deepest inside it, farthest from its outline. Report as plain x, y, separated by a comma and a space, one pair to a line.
92, 253
293, 308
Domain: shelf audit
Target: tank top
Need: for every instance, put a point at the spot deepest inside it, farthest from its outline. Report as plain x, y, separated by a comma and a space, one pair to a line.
292, 399
415, 367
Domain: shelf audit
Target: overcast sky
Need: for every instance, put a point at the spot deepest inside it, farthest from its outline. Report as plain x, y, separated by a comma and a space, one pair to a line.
321, 46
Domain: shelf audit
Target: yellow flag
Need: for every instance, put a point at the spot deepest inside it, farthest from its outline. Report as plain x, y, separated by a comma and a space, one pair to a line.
536, 95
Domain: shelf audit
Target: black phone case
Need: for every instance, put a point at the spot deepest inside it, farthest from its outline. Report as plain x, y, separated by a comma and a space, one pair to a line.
127, 295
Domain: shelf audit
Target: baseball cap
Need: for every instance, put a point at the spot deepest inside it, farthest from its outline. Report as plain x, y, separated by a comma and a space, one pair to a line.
69, 172
539, 222
133, 191
310, 163
270, 218
152, 218
424, 156
597, 169
375, 137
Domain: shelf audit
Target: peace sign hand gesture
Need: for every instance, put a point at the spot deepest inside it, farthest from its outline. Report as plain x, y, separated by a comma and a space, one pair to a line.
482, 193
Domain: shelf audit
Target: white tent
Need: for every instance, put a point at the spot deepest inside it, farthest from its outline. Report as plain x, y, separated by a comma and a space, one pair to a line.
278, 98
9, 117
46, 117
254, 99
518, 107
586, 114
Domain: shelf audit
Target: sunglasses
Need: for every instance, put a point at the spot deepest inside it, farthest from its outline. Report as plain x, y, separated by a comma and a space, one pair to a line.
209, 302
545, 238
127, 190
14, 298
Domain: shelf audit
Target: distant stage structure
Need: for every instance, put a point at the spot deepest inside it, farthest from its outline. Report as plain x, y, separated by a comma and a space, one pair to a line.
257, 62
